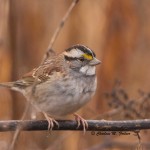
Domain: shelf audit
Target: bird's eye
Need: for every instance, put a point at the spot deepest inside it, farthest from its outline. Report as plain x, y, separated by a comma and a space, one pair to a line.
81, 59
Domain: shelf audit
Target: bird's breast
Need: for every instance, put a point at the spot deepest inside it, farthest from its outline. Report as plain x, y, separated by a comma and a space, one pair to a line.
64, 96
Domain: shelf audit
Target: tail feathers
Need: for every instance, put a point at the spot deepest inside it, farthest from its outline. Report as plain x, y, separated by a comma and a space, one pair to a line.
16, 86
7, 85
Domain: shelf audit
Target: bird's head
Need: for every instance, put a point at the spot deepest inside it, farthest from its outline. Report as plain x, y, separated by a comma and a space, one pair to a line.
82, 59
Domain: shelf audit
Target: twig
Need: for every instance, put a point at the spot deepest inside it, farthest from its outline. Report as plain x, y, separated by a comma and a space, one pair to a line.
19, 128
139, 145
94, 125
57, 31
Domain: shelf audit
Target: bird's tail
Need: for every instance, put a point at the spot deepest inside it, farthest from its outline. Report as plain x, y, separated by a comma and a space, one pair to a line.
16, 86
7, 85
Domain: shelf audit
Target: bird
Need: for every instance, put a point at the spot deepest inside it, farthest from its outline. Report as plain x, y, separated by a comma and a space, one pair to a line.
61, 85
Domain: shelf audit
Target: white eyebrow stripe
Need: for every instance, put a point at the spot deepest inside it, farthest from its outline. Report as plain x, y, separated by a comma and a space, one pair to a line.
74, 53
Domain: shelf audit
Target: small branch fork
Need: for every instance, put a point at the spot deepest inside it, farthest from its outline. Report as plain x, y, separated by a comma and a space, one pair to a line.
93, 125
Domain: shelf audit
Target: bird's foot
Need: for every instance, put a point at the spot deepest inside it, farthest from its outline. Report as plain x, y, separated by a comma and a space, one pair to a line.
51, 122
80, 121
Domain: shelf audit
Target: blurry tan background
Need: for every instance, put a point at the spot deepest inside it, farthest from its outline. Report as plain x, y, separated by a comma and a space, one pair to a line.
117, 30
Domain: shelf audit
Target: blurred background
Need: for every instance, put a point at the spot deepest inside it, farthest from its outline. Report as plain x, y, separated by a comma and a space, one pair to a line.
119, 33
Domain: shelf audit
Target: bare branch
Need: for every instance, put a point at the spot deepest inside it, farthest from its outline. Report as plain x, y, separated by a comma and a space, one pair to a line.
94, 125
57, 31
19, 128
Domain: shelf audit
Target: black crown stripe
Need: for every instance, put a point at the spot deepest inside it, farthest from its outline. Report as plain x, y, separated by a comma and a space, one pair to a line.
84, 49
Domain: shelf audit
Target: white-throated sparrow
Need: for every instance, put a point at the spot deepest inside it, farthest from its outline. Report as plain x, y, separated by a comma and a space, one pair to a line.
64, 83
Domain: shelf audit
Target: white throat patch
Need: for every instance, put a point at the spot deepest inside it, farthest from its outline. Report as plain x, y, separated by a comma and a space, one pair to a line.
88, 70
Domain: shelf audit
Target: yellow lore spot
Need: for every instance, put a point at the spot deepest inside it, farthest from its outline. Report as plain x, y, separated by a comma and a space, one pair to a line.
87, 56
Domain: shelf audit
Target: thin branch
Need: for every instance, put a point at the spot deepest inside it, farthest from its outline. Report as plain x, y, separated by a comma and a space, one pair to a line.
139, 146
58, 29
19, 128
94, 125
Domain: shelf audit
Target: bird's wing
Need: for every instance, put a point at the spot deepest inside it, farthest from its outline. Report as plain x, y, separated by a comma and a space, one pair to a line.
39, 75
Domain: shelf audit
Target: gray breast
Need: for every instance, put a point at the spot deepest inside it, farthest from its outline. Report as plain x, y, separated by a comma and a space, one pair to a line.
65, 95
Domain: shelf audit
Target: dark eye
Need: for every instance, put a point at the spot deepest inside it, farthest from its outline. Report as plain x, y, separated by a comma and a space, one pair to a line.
81, 59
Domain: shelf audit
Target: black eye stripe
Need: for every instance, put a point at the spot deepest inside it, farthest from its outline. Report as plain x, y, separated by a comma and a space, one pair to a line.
70, 58
81, 58
73, 58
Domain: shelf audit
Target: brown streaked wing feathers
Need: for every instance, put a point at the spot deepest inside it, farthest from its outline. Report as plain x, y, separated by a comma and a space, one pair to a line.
41, 74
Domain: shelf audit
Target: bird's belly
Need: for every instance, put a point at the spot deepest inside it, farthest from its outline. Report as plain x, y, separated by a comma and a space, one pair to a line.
67, 104
63, 100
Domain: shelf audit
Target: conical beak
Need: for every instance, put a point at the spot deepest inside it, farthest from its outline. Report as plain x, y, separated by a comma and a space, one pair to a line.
94, 62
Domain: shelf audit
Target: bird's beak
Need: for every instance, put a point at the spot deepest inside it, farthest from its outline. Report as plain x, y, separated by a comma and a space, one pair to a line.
94, 62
